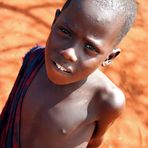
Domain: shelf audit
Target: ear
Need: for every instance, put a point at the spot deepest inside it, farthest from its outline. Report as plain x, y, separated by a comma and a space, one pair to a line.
57, 14
115, 52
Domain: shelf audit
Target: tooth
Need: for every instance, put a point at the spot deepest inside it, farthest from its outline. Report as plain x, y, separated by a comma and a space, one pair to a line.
58, 65
61, 67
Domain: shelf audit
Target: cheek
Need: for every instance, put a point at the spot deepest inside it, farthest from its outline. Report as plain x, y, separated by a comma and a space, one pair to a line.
93, 62
51, 45
52, 40
55, 43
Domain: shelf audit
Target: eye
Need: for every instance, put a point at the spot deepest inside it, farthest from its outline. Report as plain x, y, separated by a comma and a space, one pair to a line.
91, 49
64, 31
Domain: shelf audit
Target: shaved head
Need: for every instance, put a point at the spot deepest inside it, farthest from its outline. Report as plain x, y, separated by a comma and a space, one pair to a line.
123, 10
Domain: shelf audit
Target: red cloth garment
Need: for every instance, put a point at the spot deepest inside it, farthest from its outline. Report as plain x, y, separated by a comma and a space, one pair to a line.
10, 118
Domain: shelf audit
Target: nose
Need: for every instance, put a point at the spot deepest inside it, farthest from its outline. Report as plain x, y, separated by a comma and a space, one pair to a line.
69, 54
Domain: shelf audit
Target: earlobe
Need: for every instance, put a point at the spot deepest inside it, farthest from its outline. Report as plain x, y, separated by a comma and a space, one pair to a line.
115, 52
106, 63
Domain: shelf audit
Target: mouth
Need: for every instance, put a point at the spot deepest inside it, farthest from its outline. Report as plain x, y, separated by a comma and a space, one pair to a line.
61, 68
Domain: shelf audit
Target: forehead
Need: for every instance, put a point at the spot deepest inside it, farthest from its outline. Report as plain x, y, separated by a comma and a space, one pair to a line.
89, 12
93, 9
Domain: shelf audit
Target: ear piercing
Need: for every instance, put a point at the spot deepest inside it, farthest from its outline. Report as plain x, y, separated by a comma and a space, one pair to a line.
106, 63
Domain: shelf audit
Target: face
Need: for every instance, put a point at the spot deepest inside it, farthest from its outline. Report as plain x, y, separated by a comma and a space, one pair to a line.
78, 43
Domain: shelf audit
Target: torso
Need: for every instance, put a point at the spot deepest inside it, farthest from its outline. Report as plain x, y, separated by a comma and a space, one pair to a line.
54, 117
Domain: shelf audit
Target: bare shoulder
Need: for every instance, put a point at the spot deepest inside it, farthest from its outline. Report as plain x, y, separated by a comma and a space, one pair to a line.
112, 102
111, 99
109, 104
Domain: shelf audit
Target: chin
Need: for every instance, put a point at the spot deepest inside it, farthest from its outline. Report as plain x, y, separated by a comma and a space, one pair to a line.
59, 81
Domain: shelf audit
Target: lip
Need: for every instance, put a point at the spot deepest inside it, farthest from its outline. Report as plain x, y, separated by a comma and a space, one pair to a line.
61, 68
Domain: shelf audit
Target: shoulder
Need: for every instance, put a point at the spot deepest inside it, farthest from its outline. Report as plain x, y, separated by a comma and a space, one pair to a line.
110, 98
112, 102
109, 104
34, 50
33, 53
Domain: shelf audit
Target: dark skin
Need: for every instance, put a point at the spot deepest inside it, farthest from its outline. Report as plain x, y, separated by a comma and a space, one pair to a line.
70, 97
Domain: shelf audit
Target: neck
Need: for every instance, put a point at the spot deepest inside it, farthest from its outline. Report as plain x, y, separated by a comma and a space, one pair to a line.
71, 86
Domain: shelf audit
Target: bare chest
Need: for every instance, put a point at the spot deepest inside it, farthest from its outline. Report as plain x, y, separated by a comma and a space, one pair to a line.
55, 111
48, 113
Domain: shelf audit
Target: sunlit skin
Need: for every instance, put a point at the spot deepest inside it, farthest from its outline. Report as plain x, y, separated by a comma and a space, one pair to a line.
70, 97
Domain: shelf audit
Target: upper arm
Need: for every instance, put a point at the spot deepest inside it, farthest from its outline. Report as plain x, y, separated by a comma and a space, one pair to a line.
110, 107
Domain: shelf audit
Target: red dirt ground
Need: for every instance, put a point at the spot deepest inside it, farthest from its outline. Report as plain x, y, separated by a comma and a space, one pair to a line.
23, 23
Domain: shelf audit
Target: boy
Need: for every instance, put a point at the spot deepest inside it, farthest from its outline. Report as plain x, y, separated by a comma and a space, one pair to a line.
60, 98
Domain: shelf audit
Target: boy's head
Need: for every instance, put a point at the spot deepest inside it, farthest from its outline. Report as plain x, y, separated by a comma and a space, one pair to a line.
84, 35
124, 8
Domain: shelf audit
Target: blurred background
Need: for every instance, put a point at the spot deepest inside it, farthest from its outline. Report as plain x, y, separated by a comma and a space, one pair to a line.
25, 23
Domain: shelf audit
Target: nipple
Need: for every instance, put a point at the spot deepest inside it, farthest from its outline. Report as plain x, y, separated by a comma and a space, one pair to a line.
63, 131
